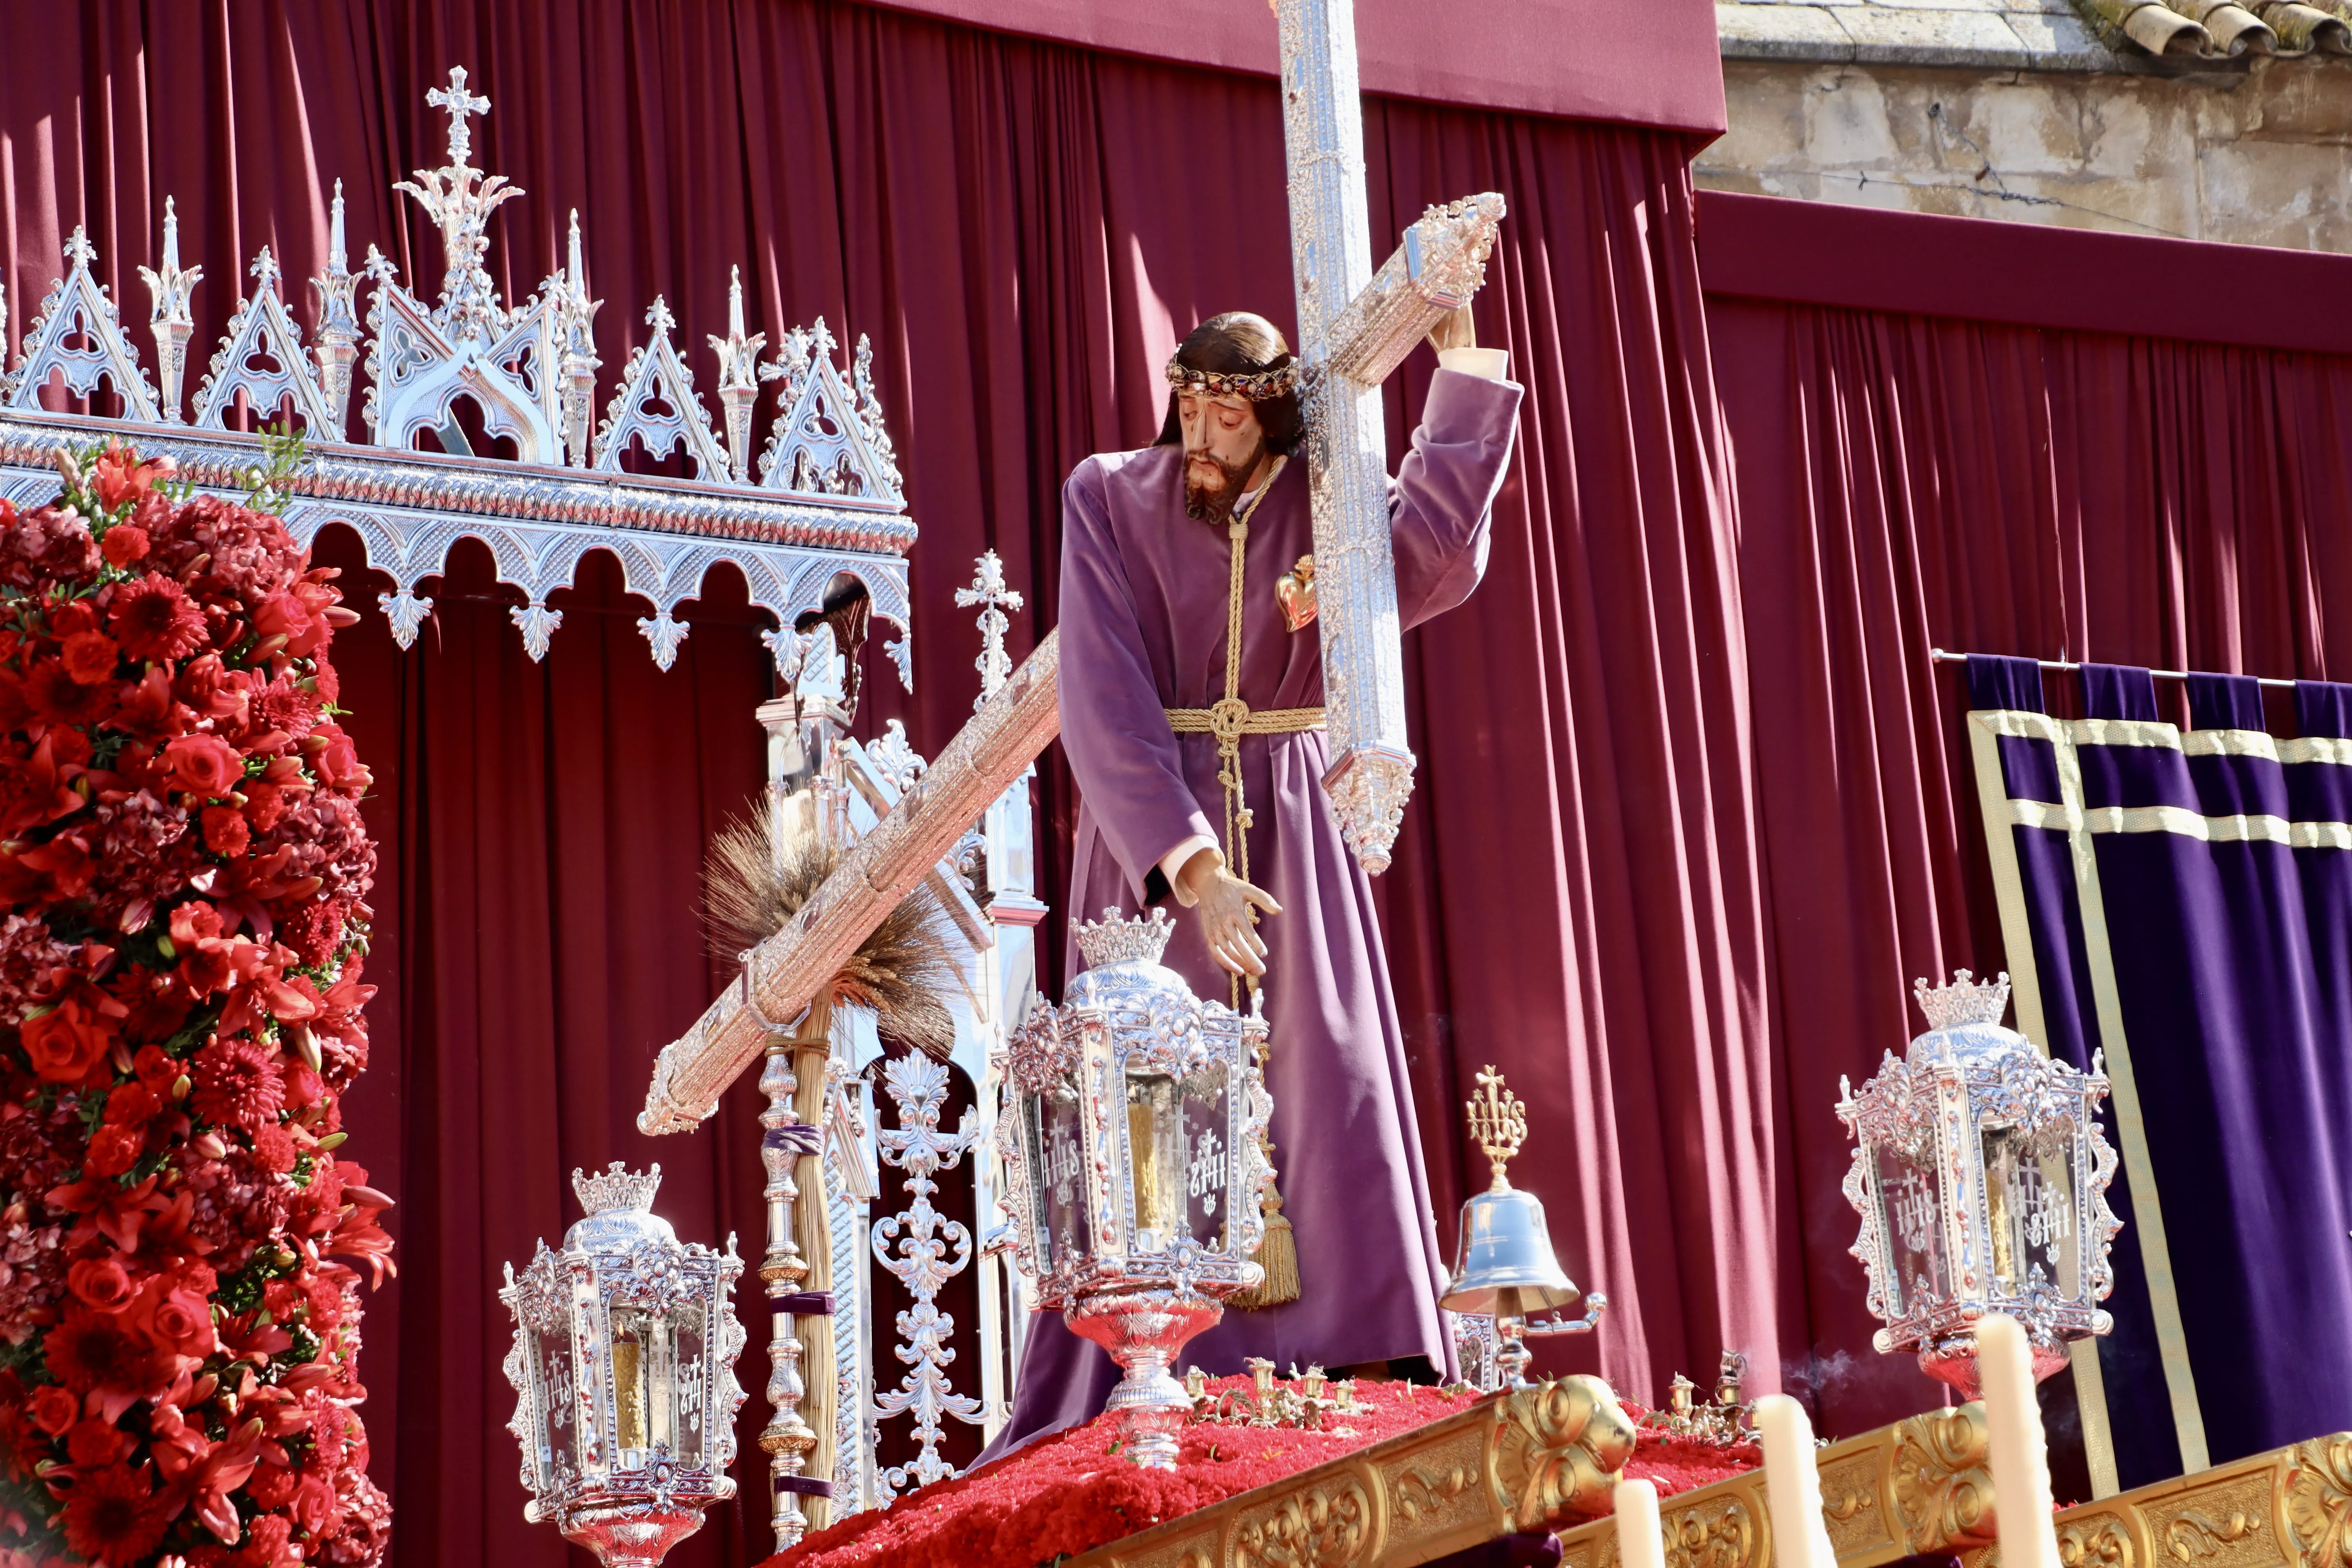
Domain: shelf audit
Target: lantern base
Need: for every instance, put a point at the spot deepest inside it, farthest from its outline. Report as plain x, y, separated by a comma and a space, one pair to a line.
1144, 1331
631, 1535
1952, 1359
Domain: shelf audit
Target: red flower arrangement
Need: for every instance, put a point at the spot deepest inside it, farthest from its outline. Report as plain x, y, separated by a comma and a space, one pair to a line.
1070, 1493
183, 872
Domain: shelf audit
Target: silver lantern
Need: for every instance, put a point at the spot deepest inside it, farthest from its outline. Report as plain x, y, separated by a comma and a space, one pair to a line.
624, 1370
1981, 1178
1504, 1267
1131, 1136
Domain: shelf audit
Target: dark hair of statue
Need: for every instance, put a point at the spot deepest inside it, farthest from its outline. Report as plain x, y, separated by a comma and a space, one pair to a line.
1239, 342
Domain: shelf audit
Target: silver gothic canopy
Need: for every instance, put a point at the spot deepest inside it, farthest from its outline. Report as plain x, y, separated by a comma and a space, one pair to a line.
827, 498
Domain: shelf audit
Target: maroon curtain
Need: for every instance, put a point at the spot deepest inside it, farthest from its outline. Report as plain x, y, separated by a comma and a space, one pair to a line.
1024, 229
1906, 482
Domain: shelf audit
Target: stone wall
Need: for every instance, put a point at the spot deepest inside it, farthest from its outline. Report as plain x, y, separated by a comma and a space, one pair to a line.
2260, 154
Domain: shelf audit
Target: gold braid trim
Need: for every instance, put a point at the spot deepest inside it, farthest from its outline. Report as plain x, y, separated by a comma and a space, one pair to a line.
1229, 720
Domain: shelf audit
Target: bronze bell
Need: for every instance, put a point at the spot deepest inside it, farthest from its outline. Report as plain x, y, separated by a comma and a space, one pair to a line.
1502, 1262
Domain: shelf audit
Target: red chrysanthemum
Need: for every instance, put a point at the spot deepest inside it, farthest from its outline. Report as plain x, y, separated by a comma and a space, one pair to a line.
114, 1517
57, 697
237, 1084
154, 619
95, 1350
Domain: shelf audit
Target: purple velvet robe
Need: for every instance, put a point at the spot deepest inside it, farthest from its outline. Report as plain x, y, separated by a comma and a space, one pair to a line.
1143, 603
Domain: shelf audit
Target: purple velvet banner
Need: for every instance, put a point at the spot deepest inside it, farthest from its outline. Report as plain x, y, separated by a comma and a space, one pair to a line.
2218, 895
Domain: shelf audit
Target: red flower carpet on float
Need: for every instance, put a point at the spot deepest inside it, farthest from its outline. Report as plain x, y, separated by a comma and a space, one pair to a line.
182, 868
1072, 1492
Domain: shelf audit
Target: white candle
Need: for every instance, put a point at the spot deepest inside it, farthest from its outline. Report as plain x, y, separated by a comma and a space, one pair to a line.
2020, 1459
1792, 1485
1640, 1542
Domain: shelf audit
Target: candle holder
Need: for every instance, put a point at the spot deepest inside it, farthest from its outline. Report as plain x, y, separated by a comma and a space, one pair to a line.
1131, 1136
1981, 1173
622, 1366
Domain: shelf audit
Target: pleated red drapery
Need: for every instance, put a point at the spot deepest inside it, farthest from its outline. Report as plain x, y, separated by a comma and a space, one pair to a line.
1024, 229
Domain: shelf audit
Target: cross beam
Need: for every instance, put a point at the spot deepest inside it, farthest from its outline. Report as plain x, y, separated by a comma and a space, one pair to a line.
1354, 327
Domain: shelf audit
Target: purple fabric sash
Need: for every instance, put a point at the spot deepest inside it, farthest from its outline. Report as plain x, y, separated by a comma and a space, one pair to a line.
798, 1137
806, 1304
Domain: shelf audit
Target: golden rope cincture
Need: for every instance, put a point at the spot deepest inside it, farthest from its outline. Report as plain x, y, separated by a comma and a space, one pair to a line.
1229, 720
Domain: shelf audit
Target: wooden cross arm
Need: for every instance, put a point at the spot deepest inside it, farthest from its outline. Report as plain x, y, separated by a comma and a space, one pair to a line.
784, 973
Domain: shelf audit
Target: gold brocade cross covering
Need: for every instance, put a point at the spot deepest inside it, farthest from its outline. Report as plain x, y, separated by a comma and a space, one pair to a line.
1230, 717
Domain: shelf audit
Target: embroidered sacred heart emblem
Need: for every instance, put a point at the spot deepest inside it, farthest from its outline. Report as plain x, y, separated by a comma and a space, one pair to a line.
1294, 592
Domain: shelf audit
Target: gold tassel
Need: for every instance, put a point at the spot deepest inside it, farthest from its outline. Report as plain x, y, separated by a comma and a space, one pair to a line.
1278, 1255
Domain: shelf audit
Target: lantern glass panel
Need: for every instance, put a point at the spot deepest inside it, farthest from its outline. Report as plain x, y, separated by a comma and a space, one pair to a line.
1207, 1130
645, 1385
557, 1405
1156, 1151
1910, 1198
1057, 1137
690, 1379
2030, 1192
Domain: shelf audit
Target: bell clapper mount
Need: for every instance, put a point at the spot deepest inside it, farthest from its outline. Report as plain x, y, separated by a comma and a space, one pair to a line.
1507, 1268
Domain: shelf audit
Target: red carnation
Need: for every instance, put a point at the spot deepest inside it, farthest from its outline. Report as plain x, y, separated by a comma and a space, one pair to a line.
114, 1517
226, 832
204, 764
90, 657
123, 545
54, 1410
113, 1149
154, 619
93, 1442
238, 1084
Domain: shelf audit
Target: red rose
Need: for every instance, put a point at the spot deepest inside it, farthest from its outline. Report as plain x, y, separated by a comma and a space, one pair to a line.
90, 657
135, 1104
54, 1410
102, 1282
176, 1318
113, 1149
63, 1045
204, 764
155, 1069
124, 543
338, 761
226, 832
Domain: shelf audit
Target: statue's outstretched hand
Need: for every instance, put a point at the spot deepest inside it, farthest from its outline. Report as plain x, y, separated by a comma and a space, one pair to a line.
1222, 903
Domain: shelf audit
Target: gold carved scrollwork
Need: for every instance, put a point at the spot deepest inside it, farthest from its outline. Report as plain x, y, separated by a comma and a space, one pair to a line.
1943, 1490
1325, 1527
2100, 1541
1557, 1450
2193, 1536
2320, 1502
1849, 1503
1417, 1493
1719, 1534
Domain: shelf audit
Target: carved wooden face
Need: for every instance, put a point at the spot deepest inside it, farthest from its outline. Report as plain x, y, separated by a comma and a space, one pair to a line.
1223, 444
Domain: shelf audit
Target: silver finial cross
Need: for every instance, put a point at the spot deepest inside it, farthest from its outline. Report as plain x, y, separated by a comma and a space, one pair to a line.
461, 105
988, 590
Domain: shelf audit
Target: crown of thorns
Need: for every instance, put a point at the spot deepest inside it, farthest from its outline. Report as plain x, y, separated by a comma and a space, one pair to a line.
1256, 385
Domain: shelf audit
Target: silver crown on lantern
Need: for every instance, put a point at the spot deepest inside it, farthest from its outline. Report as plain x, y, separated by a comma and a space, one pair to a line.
616, 1189
1966, 999
1115, 939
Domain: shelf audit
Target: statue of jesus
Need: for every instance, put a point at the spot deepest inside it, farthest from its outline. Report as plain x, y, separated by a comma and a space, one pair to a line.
1191, 692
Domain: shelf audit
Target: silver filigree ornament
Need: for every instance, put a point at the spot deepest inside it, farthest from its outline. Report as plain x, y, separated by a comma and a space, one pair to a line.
1131, 1136
623, 1367
1980, 1175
